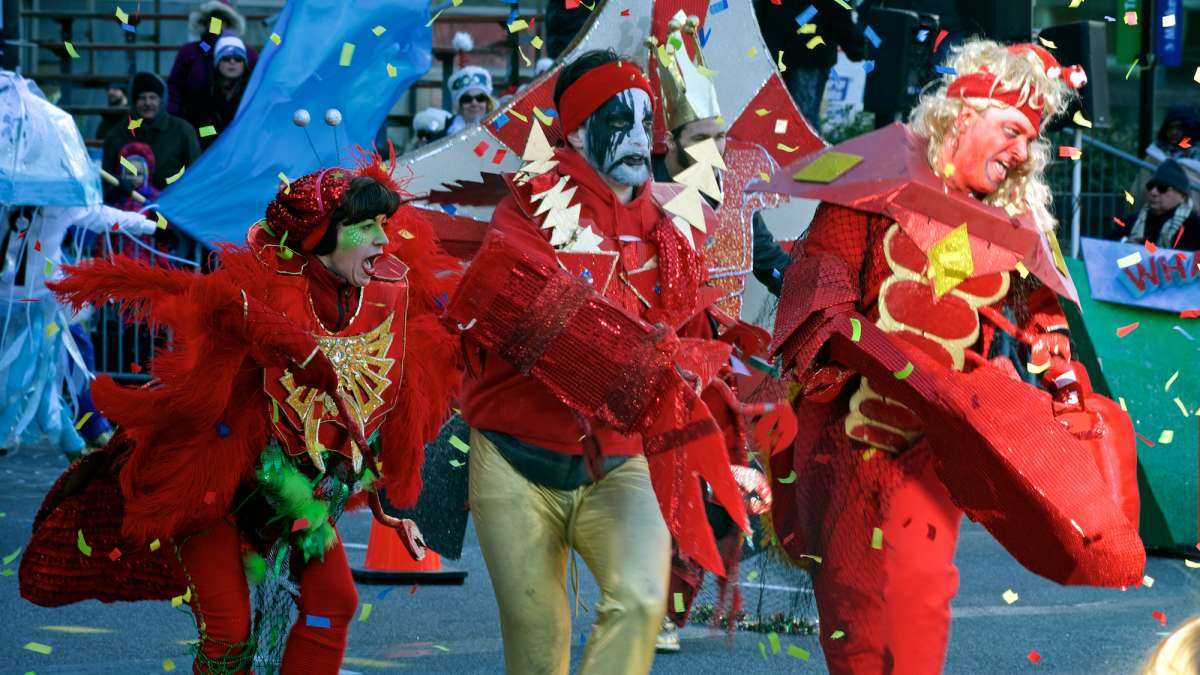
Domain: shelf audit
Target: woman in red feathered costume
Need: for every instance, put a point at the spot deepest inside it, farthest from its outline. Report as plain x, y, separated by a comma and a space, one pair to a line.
307, 369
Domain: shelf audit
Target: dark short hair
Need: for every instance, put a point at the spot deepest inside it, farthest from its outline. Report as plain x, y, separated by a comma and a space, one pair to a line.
576, 69
365, 198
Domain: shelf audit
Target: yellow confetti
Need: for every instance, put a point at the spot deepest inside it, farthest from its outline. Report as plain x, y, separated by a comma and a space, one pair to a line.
1148, 581
134, 124
815, 42
435, 18
877, 539
784, 147
904, 372
129, 166
276, 39
122, 15
837, 635
827, 168
378, 30
51, 331
168, 665
177, 175
1171, 380
347, 54
1121, 402
391, 70
1131, 67
1081, 120
868, 454
524, 58
678, 599
1182, 408
798, 652
519, 116
1166, 437
779, 62
762, 112
83, 420
7, 560
764, 175
83, 545
1196, 77
542, 117
207, 130
855, 330
773, 638
214, 25
78, 630
752, 575
752, 52
1022, 269
1010, 596
948, 171
160, 221
155, 545
518, 25
284, 179
1074, 4
536, 42
1128, 197
70, 50
1037, 369
460, 445
808, 29
365, 613
1048, 44
1191, 563
38, 647
950, 260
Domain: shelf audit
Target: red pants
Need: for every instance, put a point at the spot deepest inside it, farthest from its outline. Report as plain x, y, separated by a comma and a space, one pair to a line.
894, 618
221, 603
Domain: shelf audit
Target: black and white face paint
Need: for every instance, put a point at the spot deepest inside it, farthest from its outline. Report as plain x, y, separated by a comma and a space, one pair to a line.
617, 137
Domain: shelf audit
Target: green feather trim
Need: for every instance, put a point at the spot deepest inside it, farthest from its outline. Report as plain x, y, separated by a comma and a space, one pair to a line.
255, 566
290, 493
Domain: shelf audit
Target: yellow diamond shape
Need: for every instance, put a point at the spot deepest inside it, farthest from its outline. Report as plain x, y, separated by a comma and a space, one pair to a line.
828, 167
950, 261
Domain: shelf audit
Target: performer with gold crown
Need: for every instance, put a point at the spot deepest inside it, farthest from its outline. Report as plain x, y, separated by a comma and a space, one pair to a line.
698, 150
931, 238
306, 369
590, 349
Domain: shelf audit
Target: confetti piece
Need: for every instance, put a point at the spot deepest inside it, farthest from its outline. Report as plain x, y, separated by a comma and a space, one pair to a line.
316, 621
830, 166
177, 175
1131, 67
1129, 260
457, 464
877, 539
868, 66
83, 420
1034, 657
718, 7
499, 156
1168, 21
134, 124
276, 39
807, 15
114, 555
678, 599
168, 665
779, 62
773, 638
837, 635
1081, 120
1147, 581
807, 29
208, 130
1191, 563
1130, 18
391, 70
481, 148
855, 330
904, 372
798, 652
873, 37
788, 479
543, 117
1166, 437
128, 165
214, 25
945, 70
347, 54
815, 42
70, 50
365, 613
83, 545
1048, 44
1196, 77
781, 126
1171, 380
1159, 616
1127, 329
7, 560
155, 545
1074, 4
752, 575
378, 30
1010, 596
38, 647
458, 444
1182, 409
122, 15
1068, 151
762, 649
518, 25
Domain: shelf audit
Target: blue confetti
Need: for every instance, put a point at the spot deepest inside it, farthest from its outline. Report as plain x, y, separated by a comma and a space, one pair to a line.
873, 37
658, 289
945, 70
450, 208
222, 429
512, 16
704, 34
130, 28
806, 16
500, 121
718, 7
923, 35
550, 112
204, 46
316, 621
441, 299
777, 274
587, 275
384, 593
868, 66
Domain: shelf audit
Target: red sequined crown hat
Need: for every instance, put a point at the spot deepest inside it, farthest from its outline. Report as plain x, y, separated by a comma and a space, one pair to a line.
301, 210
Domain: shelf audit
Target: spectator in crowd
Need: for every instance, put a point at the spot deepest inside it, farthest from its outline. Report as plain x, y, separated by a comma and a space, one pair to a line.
1178, 138
116, 99
172, 140
1168, 216
471, 96
428, 126
141, 157
218, 108
807, 70
193, 78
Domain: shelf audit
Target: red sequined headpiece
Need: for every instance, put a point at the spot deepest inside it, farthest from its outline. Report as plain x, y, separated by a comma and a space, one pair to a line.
984, 84
596, 86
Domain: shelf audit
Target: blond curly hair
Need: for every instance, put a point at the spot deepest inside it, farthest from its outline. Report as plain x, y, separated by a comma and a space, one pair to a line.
1024, 190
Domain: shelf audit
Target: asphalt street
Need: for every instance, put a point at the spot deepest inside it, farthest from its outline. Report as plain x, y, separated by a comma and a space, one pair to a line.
455, 629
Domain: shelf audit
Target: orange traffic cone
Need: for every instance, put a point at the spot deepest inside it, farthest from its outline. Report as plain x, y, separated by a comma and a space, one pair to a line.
388, 562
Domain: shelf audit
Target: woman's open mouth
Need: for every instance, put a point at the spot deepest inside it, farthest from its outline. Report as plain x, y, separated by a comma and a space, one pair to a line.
368, 264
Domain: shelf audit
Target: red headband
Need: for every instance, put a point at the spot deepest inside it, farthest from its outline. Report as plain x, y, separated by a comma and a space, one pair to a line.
596, 86
983, 84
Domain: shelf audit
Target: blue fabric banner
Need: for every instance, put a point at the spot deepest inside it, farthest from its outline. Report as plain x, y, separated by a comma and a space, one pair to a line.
328, 56
1129, 274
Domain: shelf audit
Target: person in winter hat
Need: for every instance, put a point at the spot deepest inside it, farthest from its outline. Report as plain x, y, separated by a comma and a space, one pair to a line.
173, 141
195, 71
470, 88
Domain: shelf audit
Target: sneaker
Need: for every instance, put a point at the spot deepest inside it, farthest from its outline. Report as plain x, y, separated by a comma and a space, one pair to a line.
668, 638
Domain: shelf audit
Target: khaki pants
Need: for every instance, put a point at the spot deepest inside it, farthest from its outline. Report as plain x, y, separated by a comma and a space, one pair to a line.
525, 531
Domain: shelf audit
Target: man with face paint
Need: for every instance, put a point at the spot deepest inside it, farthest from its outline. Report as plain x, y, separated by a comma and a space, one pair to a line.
587, 346
315, 337
870, 514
